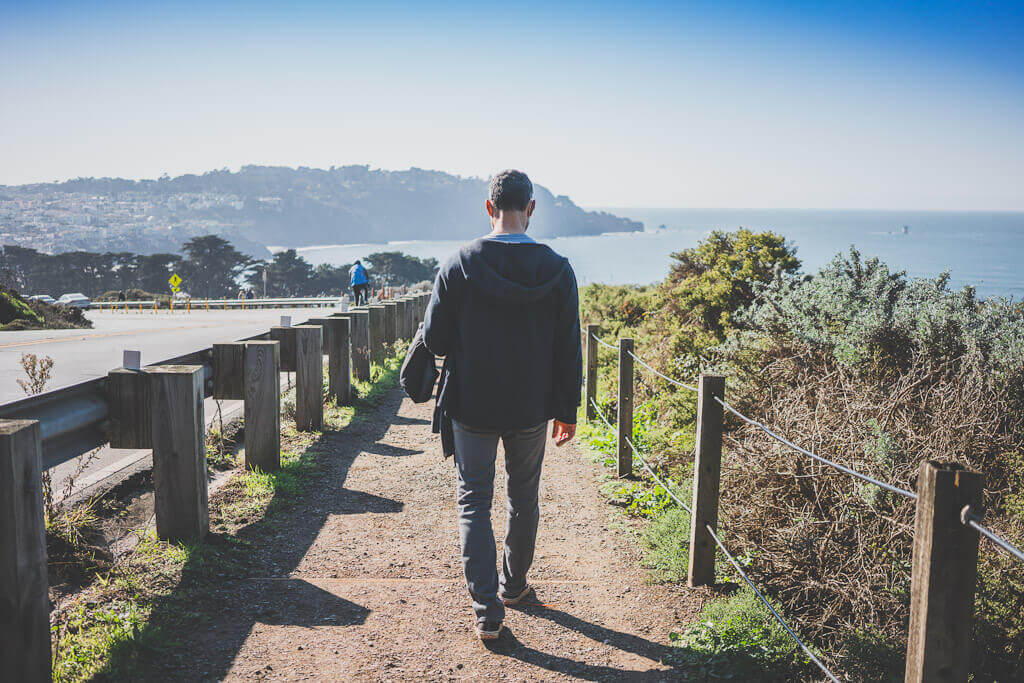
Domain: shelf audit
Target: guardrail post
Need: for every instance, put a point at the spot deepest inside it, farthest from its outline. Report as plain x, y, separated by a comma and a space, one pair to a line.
377, 327
706, 476
390, 322
263, 405
592, 332
179, 452
24, 585
285, 336
229, 371
338, 338
944, 574
309, 378
625, 454
130, 417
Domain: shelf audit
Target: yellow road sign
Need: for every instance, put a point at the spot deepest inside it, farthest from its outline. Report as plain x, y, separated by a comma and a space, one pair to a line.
175, 281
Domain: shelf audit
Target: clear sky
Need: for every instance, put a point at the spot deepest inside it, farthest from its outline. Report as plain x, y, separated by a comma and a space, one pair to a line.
726, 104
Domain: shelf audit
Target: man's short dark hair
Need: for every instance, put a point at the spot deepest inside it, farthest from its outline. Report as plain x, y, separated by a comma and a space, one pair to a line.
511, 190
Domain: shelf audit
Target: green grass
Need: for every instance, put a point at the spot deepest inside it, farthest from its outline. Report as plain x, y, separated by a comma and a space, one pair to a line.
110, 630
736, 638
666, 540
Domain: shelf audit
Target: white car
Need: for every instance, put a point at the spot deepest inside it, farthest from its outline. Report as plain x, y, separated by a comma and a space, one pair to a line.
76, 299
45, 298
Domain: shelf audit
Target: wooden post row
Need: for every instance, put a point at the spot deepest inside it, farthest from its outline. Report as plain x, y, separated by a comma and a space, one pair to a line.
262, 366
944, 574
178, 427
24, 585
706, 477
591, 396
625, 420
309, 377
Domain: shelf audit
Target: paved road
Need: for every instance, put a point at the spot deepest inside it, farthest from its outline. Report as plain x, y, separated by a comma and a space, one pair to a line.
79, 355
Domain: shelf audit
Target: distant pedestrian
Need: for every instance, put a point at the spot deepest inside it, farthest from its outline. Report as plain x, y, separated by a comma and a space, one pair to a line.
360, 283
505, 315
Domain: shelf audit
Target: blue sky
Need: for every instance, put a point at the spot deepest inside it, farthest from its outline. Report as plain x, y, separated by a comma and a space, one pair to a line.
826, 104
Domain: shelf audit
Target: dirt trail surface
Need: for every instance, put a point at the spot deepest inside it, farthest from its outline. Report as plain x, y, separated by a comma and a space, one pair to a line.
363, 580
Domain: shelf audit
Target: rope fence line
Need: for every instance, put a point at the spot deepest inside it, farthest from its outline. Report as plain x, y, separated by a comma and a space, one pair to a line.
667, 379
830, 463
968, 517
778, 617
643, 462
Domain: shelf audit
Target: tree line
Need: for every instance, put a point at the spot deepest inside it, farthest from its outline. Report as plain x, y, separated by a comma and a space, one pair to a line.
209, 266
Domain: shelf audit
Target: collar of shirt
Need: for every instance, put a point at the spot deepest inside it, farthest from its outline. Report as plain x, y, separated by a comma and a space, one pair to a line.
510, 238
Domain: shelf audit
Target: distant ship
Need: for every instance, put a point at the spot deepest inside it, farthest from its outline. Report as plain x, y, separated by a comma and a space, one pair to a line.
906, 230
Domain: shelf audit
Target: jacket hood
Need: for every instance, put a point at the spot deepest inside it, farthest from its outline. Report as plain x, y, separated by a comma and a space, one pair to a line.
519, 272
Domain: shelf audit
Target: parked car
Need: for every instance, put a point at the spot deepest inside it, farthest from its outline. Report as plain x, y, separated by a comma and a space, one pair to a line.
76, 299
181, 296
45, 298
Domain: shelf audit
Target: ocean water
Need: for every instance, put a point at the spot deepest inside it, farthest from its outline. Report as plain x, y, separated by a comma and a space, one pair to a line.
982, 249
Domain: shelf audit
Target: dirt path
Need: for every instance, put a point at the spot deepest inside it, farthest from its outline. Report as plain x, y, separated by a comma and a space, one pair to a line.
362, 581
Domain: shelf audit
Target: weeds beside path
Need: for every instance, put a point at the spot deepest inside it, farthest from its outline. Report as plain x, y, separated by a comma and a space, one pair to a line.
360, 578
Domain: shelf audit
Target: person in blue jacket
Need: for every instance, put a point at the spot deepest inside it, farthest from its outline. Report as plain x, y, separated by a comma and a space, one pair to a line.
360, 283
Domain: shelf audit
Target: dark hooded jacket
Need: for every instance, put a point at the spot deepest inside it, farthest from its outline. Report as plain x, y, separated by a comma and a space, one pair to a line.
506, 318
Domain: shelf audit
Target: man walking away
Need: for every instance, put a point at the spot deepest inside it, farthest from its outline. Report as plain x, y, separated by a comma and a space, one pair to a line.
505, 315
359, 281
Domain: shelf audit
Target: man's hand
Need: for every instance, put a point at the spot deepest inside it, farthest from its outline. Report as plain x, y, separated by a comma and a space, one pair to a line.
562, 433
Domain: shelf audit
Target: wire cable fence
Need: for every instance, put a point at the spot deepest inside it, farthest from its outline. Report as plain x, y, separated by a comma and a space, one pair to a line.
972, 520
826, 461
667, 379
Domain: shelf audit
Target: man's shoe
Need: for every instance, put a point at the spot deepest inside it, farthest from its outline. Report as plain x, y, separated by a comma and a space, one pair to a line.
516, 599
488, 630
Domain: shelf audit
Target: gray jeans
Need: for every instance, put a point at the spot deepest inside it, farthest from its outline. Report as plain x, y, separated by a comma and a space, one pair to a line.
475, 452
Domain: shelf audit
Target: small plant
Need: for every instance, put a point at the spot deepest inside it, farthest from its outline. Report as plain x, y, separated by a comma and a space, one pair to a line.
38, 372
667, 539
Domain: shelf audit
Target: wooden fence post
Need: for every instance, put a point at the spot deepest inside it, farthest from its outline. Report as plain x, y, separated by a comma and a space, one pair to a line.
592, 332
262, 405
625, 454
24, 584
706, 476
339, 351
179, 452
361, 344
285, 336
229, 371
390, 322
309, 378
130, 417
403, 329
377, 328
944, 574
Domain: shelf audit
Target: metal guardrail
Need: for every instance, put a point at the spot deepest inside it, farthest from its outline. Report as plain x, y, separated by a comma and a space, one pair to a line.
73, 419
199, 303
